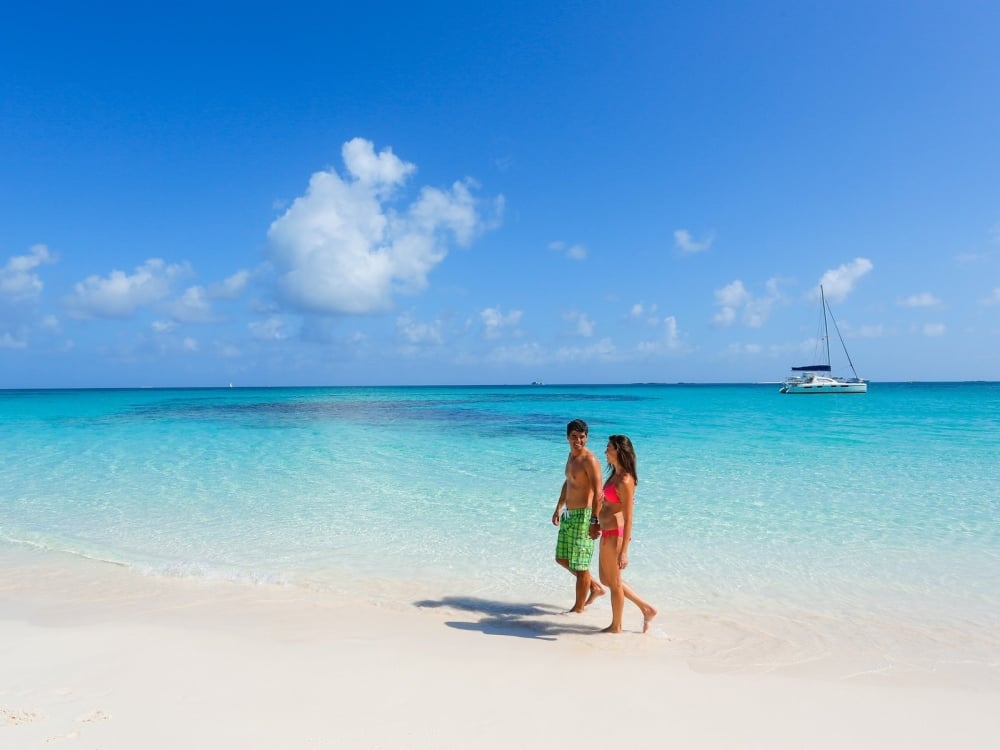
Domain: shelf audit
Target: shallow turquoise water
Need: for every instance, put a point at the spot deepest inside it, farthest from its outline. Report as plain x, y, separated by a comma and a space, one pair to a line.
882, 506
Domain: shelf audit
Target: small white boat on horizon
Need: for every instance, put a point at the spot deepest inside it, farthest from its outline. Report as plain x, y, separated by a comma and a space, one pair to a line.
817, 378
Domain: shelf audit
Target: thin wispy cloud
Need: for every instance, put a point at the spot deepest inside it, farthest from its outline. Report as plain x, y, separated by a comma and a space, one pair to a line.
745, 349
870, 331
923, 299
600, 351
582, 324
7, 341
686, 243
231, 287
647, 313
523, 355
272, 329
934, 329
573, 252
418, 333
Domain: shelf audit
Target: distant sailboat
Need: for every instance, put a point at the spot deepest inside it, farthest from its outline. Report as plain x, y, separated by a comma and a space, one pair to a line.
817, 378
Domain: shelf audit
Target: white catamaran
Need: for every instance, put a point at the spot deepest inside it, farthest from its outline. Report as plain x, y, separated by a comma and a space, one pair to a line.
817, 378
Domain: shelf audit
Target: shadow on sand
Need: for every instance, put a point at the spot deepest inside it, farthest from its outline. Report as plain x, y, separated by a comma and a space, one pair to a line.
509, 619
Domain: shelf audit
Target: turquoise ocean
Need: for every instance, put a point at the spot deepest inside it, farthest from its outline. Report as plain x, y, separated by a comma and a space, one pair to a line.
785, 526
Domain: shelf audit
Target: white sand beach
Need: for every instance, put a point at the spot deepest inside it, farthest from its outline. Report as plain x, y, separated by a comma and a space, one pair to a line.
95, 656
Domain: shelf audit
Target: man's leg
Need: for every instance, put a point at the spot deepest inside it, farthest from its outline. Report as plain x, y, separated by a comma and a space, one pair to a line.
583, 586
582, 590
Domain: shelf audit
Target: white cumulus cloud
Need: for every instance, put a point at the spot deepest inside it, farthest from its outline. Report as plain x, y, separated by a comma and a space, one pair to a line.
191, 307
669, 341
494, 321
838, 282
343, 248
119, 294
734, 300
18, 280
383, 170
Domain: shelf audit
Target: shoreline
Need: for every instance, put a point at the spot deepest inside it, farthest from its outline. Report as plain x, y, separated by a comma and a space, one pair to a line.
124, 660
735, 634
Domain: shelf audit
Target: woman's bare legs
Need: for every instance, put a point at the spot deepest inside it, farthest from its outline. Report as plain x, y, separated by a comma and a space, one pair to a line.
611, 576
647, 609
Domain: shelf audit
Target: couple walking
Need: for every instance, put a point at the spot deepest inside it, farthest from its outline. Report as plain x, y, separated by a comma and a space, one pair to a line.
589, 509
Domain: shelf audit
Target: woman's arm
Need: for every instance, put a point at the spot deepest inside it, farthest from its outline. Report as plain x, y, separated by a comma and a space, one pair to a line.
596, 481
626, 493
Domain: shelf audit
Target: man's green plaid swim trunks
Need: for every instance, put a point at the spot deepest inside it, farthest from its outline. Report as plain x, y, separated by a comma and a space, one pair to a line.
574, 543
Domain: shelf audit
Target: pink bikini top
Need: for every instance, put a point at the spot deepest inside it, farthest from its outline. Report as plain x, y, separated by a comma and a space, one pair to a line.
611, 494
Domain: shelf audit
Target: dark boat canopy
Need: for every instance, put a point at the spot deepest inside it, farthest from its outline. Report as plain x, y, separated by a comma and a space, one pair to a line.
813, 368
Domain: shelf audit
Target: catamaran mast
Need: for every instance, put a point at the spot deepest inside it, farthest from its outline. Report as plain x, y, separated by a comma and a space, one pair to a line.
826, 330
839, 336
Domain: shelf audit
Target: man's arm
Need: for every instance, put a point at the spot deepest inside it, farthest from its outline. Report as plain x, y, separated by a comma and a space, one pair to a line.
559, 505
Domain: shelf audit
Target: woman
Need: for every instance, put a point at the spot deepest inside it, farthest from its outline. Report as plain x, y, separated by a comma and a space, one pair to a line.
615, 521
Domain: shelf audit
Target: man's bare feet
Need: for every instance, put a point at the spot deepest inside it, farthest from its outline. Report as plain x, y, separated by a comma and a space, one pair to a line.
647, 618
595, 591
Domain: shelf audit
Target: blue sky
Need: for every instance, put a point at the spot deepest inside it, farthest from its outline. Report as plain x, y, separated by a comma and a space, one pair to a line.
442, 193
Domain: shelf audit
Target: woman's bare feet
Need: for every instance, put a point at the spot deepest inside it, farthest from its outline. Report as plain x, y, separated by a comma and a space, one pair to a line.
596, 590
612, 629
647, 617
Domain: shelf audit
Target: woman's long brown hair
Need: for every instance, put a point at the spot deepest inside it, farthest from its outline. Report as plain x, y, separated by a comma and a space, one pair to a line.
626, 455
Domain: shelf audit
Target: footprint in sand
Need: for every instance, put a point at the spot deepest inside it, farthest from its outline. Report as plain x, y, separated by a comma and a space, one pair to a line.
94, 716
13, 717
60, 737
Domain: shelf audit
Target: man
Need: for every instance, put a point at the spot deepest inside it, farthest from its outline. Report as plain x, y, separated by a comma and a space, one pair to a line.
579, 501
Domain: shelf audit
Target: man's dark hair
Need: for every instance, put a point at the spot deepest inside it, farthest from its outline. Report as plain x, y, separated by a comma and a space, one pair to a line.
577, 425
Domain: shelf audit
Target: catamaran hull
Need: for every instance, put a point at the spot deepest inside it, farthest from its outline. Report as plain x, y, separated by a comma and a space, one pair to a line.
798, 388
